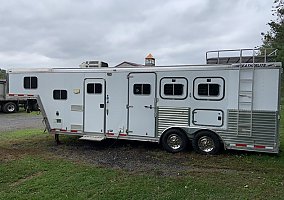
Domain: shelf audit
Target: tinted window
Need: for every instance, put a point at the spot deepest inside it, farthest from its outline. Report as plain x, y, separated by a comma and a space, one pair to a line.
94, 88
141, 89
90, 88
208, 89
59, 94
173, 89
30, 82
98, 88
214, 89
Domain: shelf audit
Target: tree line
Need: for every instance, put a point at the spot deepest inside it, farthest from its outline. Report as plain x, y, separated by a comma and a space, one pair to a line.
274, 38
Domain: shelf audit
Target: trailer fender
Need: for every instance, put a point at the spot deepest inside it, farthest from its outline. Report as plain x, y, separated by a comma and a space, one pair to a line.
174, 140
185, 130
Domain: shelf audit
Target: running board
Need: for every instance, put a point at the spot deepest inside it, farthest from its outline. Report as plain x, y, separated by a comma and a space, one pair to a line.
93, 137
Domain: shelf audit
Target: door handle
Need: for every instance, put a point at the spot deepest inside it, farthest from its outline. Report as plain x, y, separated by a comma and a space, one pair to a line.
149, 106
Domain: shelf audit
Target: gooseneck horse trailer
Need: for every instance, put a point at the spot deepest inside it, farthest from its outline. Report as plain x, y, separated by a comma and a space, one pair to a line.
222, 104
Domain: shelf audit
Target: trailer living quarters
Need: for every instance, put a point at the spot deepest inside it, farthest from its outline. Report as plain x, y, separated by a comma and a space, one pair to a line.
235, 106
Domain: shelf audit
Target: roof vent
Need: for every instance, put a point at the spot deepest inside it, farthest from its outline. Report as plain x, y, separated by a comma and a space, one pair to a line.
93, 64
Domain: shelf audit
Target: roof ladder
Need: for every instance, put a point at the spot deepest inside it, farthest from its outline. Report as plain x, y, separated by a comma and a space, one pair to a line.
245, 97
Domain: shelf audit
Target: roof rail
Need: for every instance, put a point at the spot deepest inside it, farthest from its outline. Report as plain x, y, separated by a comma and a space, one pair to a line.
230, 56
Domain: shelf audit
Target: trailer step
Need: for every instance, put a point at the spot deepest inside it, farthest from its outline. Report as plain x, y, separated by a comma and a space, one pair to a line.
93, 137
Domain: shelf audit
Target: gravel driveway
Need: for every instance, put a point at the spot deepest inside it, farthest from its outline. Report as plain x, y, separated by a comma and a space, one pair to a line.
21, 120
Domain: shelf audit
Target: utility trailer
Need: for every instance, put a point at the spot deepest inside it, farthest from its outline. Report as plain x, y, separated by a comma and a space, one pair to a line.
213, 106
10, 103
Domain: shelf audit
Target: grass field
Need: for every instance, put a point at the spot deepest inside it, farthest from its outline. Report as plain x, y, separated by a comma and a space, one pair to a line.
28, 172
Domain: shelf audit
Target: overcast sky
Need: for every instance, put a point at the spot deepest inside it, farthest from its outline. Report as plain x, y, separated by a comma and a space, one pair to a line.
64, 33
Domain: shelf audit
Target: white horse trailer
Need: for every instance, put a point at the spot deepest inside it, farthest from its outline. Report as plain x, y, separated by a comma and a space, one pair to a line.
234, 106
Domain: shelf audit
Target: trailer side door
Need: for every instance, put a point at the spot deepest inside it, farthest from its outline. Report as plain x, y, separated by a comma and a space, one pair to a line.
141, 104
94, 105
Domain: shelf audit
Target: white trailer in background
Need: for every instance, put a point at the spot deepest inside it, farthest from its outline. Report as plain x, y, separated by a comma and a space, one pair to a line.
234, 106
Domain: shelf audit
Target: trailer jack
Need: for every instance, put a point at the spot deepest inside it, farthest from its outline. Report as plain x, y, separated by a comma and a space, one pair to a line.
56, 137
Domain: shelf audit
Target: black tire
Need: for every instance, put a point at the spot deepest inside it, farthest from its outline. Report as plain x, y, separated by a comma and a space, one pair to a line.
10, 107
174, 140
35, 107
206, 142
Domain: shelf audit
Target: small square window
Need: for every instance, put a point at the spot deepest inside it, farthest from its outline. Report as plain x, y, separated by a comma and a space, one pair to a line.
30, 82
90, 88
208, 89
203, 89
59, 94
98, 88
94, 88
63, 94
173, 89
214, 89
141, 89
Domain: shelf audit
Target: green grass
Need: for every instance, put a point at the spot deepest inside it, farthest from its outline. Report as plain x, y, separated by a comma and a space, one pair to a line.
28, 171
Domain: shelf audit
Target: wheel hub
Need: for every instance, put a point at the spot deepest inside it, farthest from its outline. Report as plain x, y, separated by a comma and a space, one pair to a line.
11, 108
206, 144
174, 141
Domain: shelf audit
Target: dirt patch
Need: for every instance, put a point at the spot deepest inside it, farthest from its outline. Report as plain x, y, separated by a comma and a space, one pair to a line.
137, 157
130, 156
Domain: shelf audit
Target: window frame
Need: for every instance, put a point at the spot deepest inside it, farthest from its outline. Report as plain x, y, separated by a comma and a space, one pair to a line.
95, 88
142, 91
174, 81
60, 94
209, 81
30, 82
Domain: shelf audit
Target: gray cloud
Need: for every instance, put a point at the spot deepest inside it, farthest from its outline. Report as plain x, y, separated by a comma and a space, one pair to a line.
67, 32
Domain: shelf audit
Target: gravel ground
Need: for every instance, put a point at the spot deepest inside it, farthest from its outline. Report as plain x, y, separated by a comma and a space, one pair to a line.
131, 156
21, 120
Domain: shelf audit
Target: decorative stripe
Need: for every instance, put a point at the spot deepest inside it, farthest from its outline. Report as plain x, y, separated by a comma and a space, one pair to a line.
251, 146
21, 95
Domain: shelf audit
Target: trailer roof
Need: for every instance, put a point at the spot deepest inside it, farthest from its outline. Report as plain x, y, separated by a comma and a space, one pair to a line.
148, 69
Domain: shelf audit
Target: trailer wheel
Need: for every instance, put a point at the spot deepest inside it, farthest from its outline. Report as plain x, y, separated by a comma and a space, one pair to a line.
9, 107
174, 140
206, 142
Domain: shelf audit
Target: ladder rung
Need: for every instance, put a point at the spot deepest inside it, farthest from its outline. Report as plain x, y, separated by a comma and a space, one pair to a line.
245, 101
246, 79
245, 91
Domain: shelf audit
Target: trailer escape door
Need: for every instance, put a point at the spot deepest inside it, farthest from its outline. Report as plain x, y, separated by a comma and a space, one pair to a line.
94, 105
141, 104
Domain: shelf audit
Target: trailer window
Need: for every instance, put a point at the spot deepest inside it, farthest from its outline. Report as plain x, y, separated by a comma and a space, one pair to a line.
30, 82
208, 89
94, 88
142, 89
59, 94
173, 89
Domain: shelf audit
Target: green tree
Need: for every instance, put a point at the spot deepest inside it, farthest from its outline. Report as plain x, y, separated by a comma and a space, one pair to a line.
274, 38
2, 74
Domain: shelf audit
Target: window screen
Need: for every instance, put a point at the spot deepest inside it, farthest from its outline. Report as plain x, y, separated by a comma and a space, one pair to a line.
30, 82
173, 89
208, 89
141, 89
94, 88
59, 94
